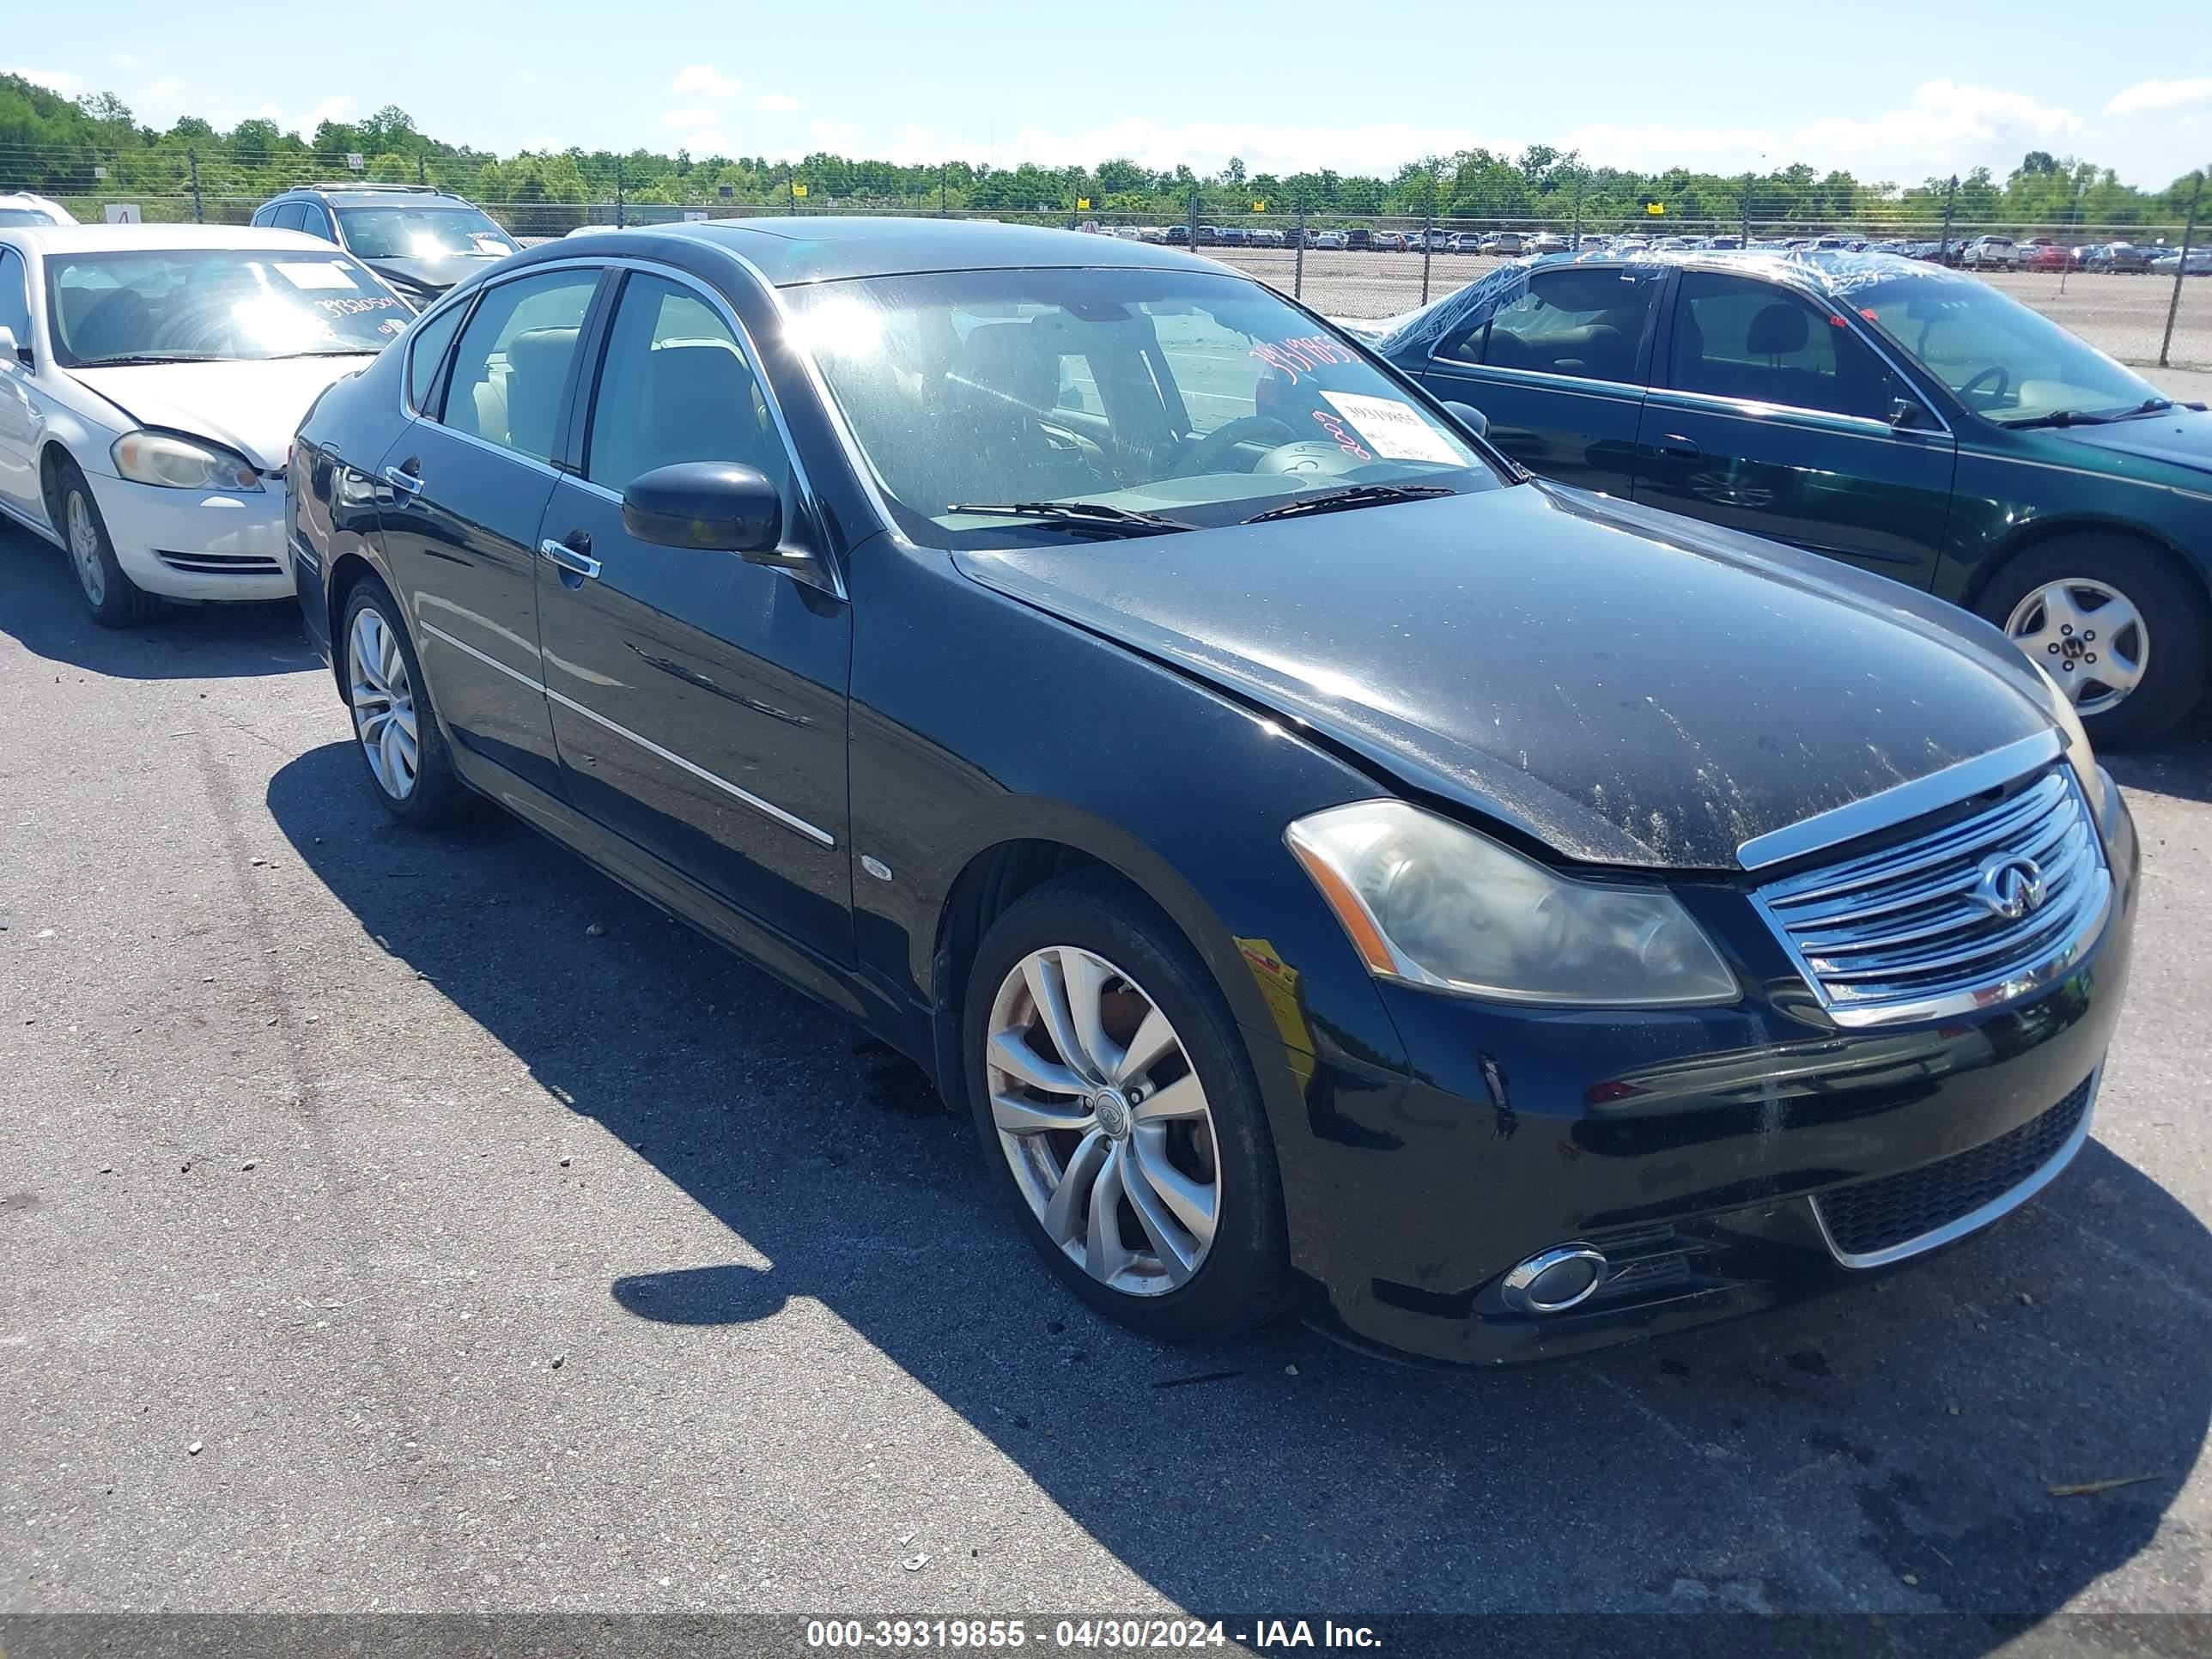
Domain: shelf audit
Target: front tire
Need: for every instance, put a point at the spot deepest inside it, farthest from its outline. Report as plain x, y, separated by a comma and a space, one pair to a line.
1119, 1114
113, 599
2122, 631
395, 726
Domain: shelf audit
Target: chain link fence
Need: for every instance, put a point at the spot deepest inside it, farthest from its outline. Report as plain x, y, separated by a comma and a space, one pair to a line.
2148, 306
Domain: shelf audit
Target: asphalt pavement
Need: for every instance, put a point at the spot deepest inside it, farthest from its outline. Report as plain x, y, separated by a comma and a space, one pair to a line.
397, 1220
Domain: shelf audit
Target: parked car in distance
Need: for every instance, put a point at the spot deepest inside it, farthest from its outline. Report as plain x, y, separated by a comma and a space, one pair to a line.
1332, 240
1989, 253
1547, 241
22, 207
1923, 426
1391, 241
1235, 236
1359, 239
1209, 235
420, 240
1271, 948
1175, 236
2039, 254
151, 377
2165, 261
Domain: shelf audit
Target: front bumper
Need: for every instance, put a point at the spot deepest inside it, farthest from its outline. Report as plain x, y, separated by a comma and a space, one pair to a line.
1723, 1161
197, 544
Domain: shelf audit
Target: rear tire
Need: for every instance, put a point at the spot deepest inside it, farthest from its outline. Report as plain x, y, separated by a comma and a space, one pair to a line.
1192, 1245
395, 724
113, 599
2169, 640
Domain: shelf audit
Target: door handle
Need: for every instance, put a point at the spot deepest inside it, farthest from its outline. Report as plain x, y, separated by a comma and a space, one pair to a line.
569, 558
1675, 447
403, 483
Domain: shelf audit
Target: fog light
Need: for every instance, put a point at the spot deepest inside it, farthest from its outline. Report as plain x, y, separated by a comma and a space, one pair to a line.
1553, 1280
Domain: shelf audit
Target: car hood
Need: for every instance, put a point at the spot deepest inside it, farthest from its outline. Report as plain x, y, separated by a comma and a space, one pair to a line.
433, 275
250, 407
1626, 686
2180, 437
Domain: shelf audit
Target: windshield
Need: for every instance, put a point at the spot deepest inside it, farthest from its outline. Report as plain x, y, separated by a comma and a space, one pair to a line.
15, 215
204, 305
421, 232
1199, 398
2005, 362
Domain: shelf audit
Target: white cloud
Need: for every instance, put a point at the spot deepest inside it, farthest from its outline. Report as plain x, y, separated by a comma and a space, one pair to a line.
688, 118
776, 103
703, 80
60, 80
2160, 94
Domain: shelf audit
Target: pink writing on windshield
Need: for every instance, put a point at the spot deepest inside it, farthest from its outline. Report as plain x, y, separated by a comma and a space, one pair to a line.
1308, 352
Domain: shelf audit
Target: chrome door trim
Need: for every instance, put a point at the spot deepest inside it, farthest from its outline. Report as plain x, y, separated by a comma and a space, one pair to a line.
1901, 802
789, 820
2003, 1204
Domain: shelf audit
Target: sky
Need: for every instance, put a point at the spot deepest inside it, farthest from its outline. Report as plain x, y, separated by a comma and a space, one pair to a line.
1890, 92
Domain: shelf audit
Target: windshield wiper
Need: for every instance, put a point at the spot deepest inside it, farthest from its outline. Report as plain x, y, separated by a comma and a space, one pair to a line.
2148, 406
1090, 518
1337, 501
143, 358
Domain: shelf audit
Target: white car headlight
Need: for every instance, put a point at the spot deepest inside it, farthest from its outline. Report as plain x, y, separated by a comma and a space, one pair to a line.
1429, 902
175, 463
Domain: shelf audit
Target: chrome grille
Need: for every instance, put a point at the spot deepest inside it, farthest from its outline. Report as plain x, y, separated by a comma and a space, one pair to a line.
1900, 933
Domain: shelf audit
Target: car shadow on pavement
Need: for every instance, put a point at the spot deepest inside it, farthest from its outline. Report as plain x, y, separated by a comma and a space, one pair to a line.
41, 608
1907, 1444
2181, 766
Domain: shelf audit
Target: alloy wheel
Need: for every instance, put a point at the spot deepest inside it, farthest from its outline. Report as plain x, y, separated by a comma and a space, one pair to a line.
84, 550
2087, 635
383, 699
1103, 1121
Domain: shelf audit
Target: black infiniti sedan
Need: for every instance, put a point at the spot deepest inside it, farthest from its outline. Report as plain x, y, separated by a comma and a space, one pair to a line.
1335, 868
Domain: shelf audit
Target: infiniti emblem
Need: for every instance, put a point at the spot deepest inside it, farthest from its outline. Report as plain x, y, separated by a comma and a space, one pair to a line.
2010, 886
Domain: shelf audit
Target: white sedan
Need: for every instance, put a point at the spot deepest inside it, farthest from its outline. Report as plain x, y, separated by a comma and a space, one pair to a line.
150, 381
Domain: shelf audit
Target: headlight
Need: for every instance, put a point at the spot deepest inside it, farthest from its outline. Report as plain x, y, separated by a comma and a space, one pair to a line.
156, 457
1431, 904
2079, 755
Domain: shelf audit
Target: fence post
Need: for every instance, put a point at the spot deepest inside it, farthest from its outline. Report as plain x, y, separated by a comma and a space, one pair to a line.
2181, 269
1950, 202
192, 162
1428, 228
791, 194
621, 205
1575, 241
1194, 218
1298, 271
944, 195
422, 172
1743, 214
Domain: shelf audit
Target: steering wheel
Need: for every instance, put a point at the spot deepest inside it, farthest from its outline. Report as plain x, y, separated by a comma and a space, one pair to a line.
1208, 454
2003, 377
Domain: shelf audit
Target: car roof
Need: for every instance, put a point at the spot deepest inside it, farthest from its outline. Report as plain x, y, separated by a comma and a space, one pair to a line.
126, 239
1826, 269
370, 195
791, 250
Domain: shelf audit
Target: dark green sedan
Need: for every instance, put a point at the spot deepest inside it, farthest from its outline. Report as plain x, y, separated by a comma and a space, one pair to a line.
1907, 419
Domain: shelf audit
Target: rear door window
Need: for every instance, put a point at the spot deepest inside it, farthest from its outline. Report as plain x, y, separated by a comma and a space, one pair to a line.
511, 367
1586, 321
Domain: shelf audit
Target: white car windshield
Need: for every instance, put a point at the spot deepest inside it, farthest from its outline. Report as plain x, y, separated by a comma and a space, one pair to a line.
214, 305
1170, 399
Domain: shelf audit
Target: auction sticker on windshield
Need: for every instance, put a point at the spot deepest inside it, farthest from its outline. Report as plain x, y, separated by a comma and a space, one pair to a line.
319, 273
1394, 429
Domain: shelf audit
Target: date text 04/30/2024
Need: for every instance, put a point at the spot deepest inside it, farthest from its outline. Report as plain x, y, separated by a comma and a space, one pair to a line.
1088, 1635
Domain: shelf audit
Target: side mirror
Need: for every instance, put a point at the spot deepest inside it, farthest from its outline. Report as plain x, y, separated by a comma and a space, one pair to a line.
1904, 412
12, 350
714, 506
1470, 417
